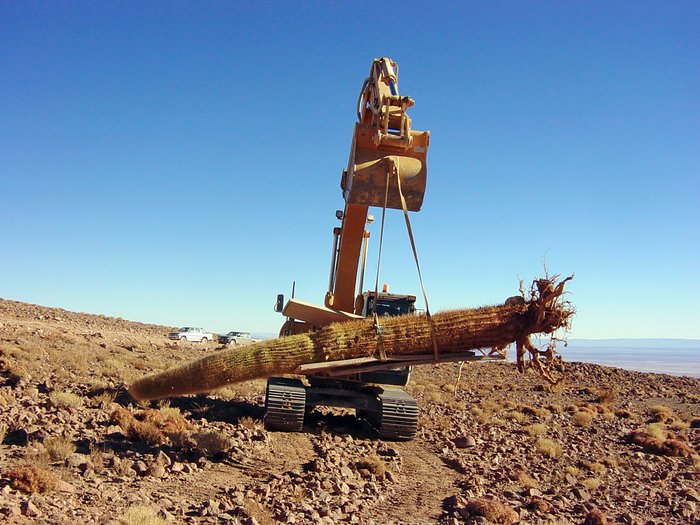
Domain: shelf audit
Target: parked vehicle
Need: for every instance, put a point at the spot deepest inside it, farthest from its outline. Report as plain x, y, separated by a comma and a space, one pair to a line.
236, 339
191, 334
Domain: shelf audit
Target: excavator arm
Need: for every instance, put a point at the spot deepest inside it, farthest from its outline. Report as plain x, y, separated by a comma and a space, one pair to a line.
384, 147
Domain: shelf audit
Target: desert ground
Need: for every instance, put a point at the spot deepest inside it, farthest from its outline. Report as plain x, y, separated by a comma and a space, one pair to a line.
605, 446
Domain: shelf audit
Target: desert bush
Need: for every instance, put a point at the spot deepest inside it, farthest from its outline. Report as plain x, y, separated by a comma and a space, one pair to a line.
105, 399
372, 463
494, 511
516, 416
574, 471
537, 413
65, 399
591, 483
3, 432
624, 414
661, 413
536, 429
548, 447
680, 425
31, 478
250, 423
654, 445
593, 466
58, 447
146, 432
606, 396
525, 480
595, 517
657, 430
582, 419
141, 515
212, 442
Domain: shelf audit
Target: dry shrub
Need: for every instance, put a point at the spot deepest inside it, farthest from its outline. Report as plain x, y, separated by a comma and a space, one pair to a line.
150, 426
582, 419
494, 511
574, 471
516, 416
624, 414
606, 396
591, 483
250, 423
58, 448
3, 432
65, 400
212, 442
373, 463
105, 399
657, 430
525, 480
146, 433
593, 466
538, 413
538, 504
536, 429
548, 447
30, 479
653, 445
595, 517
680, 425
141, 515
661, 413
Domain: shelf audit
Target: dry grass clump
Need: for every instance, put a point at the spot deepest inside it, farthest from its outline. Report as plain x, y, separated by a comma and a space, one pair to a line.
65, 400
665, 447
538, 504
212, 442
593, 466
574, 471
595, 517
536, 429
372, 463
661, 413
624, 414
494, 511
591, 483
30, 479
58, 448
516, 416
3, 432
606, 396
152, 427
141, 515
525, 480
680, 425
537, 413
548, 447
582, 418
250, 423
657, 430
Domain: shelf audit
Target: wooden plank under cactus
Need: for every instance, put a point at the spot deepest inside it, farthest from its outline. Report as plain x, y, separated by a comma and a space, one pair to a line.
455, 331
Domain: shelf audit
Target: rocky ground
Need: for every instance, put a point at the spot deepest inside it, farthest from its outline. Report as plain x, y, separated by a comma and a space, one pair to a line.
606, 446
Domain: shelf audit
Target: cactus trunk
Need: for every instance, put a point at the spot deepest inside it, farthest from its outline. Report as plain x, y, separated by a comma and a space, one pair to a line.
454, 331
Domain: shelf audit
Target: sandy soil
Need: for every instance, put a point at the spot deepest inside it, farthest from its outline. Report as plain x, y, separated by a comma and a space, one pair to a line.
607, 446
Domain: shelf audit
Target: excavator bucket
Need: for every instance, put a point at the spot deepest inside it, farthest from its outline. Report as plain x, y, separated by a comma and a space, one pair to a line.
372, 165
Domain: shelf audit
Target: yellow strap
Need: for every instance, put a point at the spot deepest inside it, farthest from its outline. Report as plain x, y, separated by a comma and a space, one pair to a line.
415, 256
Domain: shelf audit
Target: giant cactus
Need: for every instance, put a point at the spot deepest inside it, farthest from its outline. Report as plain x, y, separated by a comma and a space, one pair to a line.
544, 311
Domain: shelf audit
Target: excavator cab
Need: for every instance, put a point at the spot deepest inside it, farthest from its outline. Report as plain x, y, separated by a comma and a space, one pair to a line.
384, 147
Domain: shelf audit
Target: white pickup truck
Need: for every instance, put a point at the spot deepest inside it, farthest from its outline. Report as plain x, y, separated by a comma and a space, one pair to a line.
193, 335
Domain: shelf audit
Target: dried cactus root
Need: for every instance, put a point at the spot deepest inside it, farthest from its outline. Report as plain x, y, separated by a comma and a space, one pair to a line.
454, 331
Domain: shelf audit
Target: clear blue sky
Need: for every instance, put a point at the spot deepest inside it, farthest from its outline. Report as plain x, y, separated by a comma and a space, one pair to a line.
179, 162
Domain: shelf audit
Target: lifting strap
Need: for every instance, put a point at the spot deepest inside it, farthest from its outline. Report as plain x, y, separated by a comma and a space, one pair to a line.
433, 336
377, 327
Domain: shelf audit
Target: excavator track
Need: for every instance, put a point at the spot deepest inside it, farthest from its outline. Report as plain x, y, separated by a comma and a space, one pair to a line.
285, 401
397, 417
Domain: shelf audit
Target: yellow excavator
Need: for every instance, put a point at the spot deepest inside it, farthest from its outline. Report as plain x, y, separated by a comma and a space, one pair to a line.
387, 168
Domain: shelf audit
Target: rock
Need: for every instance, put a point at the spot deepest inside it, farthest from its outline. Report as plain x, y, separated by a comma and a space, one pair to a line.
464, 441
157, 471
29, 509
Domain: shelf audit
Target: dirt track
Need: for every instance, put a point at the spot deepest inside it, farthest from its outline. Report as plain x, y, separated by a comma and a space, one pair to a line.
551, 456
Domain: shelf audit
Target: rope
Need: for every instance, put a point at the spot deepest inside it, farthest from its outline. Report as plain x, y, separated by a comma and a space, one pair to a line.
377, 327
433, 336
